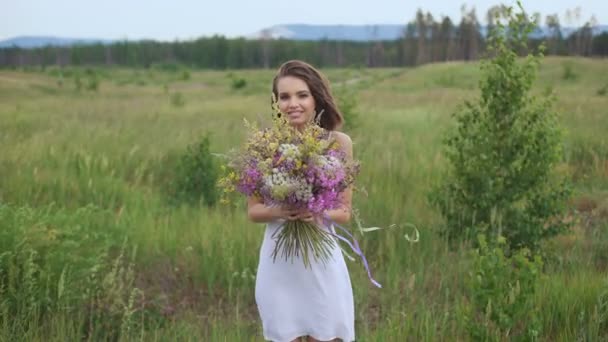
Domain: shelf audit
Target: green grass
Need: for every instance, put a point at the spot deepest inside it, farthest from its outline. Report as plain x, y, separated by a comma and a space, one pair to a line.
93, 163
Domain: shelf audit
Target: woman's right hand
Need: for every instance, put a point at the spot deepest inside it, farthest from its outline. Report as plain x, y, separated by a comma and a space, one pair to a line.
285, 213
258, 212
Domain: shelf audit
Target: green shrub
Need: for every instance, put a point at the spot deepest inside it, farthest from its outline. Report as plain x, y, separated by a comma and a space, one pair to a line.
238, 83
177, 99
77, 83
568, 73
93, 83
502, 154
92, 79
501, 291
192, 176
185, 75
167, 67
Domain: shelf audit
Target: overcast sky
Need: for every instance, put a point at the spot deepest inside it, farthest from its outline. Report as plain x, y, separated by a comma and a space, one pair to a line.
187, 19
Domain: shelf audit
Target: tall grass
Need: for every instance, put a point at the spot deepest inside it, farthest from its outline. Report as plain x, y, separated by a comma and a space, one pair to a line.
82, 172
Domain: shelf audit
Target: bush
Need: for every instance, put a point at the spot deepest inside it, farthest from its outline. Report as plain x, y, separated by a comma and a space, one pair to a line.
177, 99
503, 152
77, 83
92, 80
89, 80
93, 83
238, 83
568, 73
167, 67
185, 75
193, 175
502, 291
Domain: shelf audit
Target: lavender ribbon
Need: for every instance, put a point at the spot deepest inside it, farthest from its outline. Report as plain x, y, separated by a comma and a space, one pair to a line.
354, 246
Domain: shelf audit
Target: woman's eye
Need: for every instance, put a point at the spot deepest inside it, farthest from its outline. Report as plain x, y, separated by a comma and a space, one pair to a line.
284, 97
303, 96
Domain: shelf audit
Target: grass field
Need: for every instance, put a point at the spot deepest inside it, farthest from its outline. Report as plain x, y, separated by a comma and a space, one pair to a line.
90, 248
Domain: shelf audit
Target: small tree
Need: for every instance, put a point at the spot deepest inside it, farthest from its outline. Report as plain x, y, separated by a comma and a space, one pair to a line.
503, 151
194, 175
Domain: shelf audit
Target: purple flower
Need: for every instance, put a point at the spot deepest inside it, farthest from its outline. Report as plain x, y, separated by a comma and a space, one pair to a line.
250, 179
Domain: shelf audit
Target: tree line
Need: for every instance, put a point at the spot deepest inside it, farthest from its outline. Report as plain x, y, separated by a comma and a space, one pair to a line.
425, 39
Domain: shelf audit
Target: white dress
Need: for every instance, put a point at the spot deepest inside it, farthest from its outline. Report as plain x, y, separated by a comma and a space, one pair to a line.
295, 301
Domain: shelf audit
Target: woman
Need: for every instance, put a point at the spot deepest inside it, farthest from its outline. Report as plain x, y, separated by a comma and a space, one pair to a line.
294, 301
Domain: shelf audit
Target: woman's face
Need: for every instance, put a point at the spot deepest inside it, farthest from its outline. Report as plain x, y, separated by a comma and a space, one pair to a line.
295, 100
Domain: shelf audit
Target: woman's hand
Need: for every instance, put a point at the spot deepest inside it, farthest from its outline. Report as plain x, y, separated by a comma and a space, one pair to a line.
285, 213
306, 216
290, 214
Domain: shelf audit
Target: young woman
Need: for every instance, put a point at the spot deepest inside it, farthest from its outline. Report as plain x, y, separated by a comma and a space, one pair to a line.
295, 302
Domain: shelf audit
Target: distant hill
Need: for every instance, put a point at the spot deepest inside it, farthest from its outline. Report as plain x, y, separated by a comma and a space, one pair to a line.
290, 31
366, 32
29, 42
331, 32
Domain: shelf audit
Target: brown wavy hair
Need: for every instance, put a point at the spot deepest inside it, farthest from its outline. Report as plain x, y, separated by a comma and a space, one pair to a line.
331, 118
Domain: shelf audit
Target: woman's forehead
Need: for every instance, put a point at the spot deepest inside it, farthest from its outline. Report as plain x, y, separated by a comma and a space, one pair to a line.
290, 84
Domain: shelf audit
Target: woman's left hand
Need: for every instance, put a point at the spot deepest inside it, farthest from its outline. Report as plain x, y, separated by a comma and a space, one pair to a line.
306, 216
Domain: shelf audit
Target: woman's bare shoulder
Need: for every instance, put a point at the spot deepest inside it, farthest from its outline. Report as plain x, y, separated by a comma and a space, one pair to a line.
342, 138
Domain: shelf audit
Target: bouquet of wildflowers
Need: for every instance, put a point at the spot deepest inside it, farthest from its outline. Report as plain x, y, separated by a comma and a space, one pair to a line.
298, 169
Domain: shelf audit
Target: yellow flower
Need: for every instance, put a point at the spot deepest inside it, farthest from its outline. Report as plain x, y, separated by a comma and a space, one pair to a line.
52, 234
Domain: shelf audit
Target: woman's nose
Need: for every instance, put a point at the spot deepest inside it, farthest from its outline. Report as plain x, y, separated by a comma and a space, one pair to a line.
293, 102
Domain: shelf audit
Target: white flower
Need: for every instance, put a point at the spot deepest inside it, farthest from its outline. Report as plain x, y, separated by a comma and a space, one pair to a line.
328, 162
304, 192
281, 185
289, 151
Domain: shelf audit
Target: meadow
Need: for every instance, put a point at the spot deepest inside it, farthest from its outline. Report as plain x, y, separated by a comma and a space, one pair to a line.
90, 248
